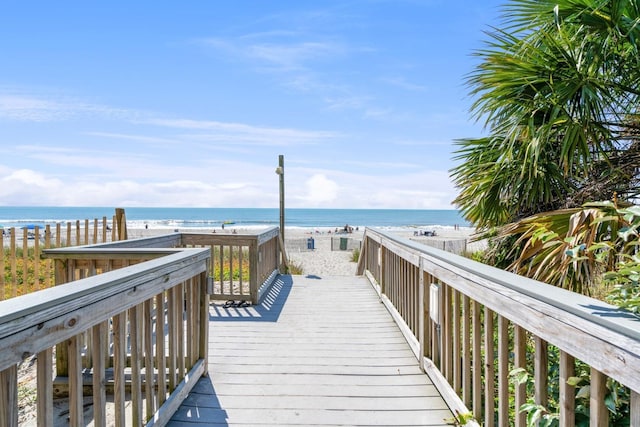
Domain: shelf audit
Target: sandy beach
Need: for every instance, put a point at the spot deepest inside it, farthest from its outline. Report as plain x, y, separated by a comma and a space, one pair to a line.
327, 258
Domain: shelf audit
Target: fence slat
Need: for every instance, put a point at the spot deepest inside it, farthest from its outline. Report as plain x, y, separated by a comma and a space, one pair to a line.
148, 360
135, 336
520, 361
9, 397
541, 372
76, 412
503, 371
160, 359
119, 364
99, 348
466, 350
598, 414
635, 409
489, 369
44, 387
567, 392
477, 361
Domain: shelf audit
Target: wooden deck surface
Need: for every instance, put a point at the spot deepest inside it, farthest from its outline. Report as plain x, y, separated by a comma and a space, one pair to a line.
317, 351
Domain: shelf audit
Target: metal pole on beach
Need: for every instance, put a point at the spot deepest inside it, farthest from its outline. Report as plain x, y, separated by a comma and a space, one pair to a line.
280, 172
283, 256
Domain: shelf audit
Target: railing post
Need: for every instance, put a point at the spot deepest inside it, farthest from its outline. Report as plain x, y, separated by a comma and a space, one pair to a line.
489, 369
203, 342
634, 404
599, 415
9, 397
422, 315
541, 372
383, 269
253, 271
520, 361
567, 391
62, 275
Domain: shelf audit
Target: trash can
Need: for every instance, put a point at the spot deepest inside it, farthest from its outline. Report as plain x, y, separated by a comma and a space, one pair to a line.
343, 243
310, 243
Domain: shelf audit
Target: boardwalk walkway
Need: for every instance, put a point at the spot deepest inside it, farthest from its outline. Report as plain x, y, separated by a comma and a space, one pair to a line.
317, 351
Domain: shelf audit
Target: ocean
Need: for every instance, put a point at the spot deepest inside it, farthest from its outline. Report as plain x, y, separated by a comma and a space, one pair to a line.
246, 218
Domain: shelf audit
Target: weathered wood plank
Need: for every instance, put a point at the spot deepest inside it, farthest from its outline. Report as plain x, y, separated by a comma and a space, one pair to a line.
9, 395
325, 352
567, 391
489, 368
17, 315
45, 384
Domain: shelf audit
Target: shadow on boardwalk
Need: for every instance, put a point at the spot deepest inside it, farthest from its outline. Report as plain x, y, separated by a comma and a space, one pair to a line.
268, 310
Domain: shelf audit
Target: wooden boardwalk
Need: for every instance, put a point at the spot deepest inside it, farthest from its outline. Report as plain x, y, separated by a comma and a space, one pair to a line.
317, 351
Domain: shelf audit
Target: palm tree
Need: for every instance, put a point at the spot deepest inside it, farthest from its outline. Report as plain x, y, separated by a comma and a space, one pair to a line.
557, 88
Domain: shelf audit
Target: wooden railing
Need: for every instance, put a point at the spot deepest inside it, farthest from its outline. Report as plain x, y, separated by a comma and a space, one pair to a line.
103, 317
107, 325
471, 325
242, 265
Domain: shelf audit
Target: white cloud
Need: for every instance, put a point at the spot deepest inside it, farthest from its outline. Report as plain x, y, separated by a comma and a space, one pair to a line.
27, 107
414, 190
243, 185
319, 191
287, 53
402, 83
245, 133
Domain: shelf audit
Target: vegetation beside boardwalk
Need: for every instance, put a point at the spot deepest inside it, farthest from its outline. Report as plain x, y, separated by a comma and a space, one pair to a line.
21, 275
555, 182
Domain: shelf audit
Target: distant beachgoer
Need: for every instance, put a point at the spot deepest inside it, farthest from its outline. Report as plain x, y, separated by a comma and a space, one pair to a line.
223, 225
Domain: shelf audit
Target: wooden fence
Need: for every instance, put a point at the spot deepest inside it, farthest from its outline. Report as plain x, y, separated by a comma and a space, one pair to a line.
23, 270
242, 266
107, 326
473, 327
103, 317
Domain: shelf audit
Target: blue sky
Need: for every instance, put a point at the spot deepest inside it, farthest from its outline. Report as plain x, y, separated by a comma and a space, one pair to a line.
143, 103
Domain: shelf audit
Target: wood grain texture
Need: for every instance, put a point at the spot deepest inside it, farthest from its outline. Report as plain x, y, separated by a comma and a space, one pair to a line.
316, 351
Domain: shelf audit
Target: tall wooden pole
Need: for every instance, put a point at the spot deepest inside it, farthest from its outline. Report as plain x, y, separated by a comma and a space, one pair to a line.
281, 174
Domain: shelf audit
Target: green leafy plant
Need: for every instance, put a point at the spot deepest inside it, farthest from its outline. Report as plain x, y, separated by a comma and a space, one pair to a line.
537, 415
460, 419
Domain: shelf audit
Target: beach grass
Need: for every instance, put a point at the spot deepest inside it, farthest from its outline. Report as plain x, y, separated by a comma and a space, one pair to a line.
355, 255
20, 275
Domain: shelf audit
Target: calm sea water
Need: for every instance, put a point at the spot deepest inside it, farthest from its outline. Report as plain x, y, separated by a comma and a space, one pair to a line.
172, 218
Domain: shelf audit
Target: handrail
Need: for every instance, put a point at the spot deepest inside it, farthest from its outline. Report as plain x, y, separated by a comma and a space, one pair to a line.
599, 335
103, 315
242, 266
127, 304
